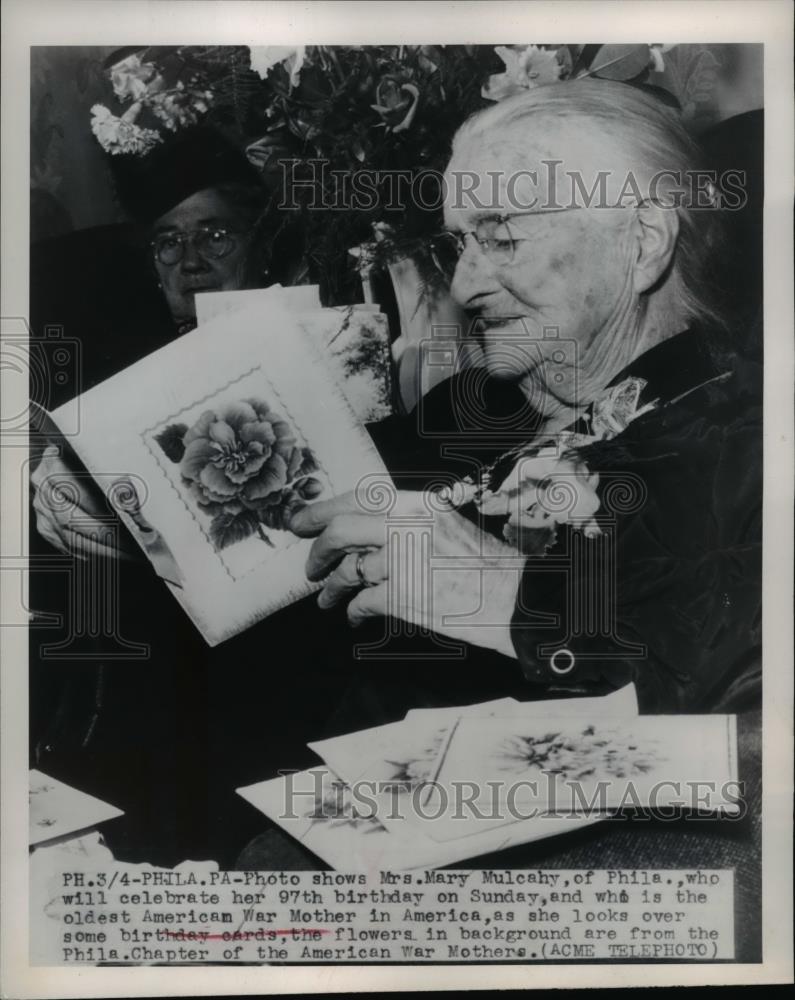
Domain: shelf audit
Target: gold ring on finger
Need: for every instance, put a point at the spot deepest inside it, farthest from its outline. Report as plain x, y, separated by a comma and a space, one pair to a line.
360, 571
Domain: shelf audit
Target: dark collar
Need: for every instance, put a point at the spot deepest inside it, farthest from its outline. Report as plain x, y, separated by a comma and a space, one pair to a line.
673, 367
670, 370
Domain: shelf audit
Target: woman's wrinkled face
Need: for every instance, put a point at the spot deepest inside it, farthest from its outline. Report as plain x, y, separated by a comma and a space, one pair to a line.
199, 271
541, 313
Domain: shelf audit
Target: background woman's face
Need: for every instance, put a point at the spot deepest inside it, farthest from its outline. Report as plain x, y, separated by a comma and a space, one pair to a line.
196, 272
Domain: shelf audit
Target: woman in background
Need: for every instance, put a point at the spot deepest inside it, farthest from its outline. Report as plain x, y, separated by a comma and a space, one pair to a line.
202, 217
207, 217
142, 713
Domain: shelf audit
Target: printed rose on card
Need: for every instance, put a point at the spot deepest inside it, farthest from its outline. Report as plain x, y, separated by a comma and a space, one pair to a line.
242, 467
245, 469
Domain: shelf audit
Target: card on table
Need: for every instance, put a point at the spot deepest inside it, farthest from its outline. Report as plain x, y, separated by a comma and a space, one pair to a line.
57, 810
337, 823
321, 812
589, 764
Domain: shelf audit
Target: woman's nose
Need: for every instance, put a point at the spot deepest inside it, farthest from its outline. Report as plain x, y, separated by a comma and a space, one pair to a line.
192, 260
473, 275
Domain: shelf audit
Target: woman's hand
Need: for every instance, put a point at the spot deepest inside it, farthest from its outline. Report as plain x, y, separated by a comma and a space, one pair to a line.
71, 513
427, 566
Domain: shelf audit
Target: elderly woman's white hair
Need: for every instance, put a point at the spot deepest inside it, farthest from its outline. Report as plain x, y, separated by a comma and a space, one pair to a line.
645, 136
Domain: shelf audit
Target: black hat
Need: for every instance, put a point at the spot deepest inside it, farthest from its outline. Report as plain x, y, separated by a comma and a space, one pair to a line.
188, 161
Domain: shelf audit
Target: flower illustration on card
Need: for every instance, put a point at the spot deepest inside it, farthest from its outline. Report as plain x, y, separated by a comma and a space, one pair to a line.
415, 768
591, 752
244, 467
240, 452
336, 806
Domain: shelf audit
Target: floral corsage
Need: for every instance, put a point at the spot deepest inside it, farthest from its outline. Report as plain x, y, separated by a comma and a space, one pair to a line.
536, 487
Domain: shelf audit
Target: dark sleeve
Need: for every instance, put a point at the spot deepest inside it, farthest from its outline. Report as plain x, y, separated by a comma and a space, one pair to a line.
669, 595
462, 424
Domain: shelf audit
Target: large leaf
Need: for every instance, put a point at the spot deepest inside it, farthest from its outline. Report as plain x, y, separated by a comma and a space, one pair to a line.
171, 440
227, 528
620, 62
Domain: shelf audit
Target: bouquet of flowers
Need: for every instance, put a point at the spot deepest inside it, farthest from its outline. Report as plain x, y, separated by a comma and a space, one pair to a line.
312, 118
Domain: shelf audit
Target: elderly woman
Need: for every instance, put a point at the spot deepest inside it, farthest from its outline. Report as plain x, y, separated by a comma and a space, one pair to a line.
628, 516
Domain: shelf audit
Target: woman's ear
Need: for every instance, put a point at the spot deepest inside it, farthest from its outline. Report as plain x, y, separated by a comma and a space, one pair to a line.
657, 232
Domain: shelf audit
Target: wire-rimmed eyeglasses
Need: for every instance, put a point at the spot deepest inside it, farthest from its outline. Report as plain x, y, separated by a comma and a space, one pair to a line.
212, 242
497, 237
